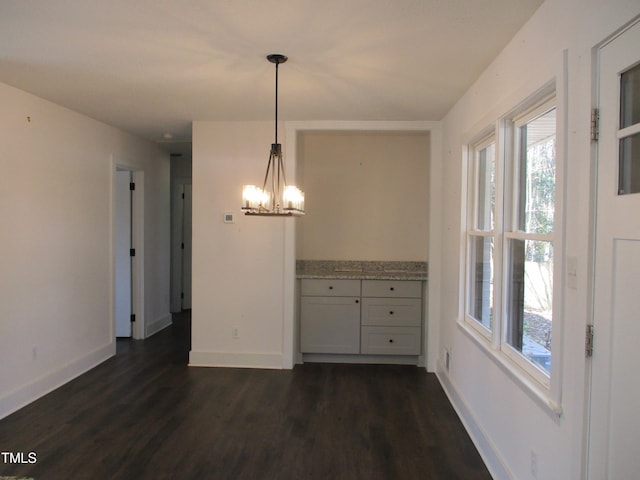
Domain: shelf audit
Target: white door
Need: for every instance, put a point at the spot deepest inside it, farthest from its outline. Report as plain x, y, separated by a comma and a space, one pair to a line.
181, 247
186, 251
122, 253
614, 428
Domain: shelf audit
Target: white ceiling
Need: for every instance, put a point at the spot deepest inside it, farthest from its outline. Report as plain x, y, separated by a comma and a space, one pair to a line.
152, 66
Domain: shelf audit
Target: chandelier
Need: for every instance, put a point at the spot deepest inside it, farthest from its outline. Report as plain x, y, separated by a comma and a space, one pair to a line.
276, 197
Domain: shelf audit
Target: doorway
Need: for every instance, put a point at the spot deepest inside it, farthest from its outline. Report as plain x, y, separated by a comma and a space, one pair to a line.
181, 207
614, 424
128, 252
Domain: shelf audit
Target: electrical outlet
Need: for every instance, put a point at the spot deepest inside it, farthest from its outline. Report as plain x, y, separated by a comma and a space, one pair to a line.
447, 360
534, 464
235, 333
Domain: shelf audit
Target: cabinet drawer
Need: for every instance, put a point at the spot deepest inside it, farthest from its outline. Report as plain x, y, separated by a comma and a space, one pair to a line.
330, 324
392, 288
405, 312
330, 288
390, 340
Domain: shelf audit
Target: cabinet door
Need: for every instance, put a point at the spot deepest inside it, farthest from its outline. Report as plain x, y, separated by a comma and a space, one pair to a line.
330, 325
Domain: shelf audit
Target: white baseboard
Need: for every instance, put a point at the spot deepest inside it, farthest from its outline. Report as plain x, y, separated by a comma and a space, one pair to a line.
235, 359
30, 392
491, 457
157, 325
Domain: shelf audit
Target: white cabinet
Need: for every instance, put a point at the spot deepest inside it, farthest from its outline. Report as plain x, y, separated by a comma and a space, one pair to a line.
391, 317
330, 316
368, 317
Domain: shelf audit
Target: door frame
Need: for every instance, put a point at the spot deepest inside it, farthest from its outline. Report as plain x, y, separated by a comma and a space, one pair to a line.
137, 229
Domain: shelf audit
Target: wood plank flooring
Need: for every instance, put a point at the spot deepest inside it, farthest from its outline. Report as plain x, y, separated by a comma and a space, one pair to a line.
145, 415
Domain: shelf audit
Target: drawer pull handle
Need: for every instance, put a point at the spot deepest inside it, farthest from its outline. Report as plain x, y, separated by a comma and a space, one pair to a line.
330, 287
391, 288
391, 340
357, 301
391, 312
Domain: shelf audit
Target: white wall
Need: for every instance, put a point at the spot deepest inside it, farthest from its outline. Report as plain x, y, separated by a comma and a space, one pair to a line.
238, 273
367, 195
506, 421
56, 282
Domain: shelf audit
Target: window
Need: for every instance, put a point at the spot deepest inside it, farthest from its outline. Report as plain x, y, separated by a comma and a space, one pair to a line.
481, 233
529, 237
510, 231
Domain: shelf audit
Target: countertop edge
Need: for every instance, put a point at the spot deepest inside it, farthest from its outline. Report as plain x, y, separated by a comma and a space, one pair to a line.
362, 270
365, 276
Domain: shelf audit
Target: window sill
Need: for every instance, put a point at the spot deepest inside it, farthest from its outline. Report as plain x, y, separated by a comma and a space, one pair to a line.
534, 389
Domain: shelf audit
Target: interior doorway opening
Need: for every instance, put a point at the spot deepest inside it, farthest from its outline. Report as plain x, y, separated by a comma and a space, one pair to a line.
181, 208
128, 252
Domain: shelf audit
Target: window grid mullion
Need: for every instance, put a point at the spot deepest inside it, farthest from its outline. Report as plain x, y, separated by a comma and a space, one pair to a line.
536, 237
501, 174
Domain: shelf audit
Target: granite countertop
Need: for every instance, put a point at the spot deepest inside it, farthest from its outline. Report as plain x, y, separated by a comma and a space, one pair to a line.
361, 270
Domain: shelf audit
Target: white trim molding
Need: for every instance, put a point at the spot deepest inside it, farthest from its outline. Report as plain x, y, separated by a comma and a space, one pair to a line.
236, 360
32, 391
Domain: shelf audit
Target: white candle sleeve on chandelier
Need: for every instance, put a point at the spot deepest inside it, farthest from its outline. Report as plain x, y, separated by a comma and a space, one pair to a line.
254, 198
293, 198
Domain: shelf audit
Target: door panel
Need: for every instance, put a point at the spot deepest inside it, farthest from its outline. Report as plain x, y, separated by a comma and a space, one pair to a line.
625, 389
614, 426
186, 253
122, 254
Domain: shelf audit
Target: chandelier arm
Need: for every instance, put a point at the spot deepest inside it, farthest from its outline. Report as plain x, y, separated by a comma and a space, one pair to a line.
281, 167
266, 175
276, 181
275, 188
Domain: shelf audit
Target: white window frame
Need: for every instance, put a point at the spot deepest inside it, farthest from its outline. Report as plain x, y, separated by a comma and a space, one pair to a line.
473, 232
512, 232
545, 387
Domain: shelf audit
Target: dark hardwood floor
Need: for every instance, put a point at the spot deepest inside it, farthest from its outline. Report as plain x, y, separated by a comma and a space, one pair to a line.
145, 415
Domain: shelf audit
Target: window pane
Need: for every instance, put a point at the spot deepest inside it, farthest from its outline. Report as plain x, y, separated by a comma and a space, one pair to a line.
629, 168
480, 304
485, 187
630, 97
530, 295
537, 174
